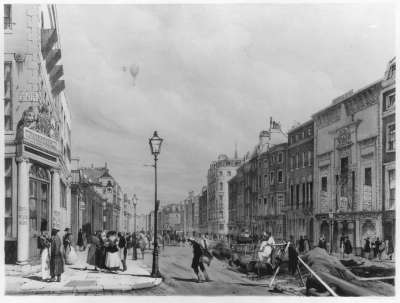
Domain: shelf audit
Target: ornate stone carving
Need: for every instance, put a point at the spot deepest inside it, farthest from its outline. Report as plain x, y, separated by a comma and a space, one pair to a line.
29, 119
39, 119
343, 138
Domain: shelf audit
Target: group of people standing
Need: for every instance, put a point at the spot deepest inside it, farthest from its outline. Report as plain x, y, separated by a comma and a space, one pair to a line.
345, 246
378, 249
108, 251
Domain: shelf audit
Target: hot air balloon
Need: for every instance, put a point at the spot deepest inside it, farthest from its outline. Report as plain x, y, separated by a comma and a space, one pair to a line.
134, 70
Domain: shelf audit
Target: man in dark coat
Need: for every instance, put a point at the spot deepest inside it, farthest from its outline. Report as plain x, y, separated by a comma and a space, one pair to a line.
348, 248
80, 242
322, 242
301, 245
197, 260
56, 256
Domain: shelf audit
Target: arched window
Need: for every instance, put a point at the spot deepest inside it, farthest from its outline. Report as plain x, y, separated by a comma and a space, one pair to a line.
221, 186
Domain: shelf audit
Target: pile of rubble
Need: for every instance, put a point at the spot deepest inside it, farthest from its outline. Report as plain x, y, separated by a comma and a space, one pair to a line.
340, 278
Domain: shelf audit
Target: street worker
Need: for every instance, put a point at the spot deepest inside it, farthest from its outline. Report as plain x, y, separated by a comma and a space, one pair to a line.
292, 256
197, 260
207, 256
266, 247
56, 256
44, 244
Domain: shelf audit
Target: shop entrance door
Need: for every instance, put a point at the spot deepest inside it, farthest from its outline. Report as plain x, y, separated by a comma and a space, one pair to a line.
38, 209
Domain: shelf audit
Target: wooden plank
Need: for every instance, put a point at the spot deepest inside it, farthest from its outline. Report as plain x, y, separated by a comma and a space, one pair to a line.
376, 278
318, 278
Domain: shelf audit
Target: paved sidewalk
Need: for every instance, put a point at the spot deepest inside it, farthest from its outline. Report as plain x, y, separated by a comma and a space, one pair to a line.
79, 278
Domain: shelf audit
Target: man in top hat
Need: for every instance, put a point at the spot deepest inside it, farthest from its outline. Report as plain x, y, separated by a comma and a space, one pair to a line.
56, 256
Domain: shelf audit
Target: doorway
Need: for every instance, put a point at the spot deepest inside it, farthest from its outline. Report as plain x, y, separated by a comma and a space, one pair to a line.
38, 207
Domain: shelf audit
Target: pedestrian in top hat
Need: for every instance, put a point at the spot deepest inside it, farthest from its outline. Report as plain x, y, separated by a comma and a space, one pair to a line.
56, 256
122, 250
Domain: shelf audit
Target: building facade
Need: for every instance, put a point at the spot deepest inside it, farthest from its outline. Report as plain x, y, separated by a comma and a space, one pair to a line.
37, 130
388, 128
203, 210
86, 205
257, 192
170, 220
219, 173
111, 192
272, 192
299, 206
347, 169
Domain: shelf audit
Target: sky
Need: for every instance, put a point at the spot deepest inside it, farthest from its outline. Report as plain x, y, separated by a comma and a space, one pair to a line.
209, 76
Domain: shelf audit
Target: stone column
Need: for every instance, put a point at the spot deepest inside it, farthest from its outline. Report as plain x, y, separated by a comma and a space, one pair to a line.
23, 211
55, 202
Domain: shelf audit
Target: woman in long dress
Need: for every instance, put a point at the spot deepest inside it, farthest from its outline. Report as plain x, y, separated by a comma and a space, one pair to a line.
113, 261
91, 255
56, 257
44, 245
101, 251
70, 254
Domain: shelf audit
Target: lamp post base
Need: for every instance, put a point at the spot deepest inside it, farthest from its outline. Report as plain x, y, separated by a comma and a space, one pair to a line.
155, 272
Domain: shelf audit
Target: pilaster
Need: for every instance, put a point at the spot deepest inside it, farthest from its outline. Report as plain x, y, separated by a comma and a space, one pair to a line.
23, 210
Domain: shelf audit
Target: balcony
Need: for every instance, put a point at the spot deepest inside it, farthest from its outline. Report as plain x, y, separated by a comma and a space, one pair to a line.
56, 73
49, 38
52, 58
58, 87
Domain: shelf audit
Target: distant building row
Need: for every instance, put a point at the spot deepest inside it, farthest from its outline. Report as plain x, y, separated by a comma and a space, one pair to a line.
332, 175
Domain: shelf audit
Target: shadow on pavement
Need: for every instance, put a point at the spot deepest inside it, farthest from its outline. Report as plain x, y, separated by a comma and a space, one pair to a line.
185, 279
34, 278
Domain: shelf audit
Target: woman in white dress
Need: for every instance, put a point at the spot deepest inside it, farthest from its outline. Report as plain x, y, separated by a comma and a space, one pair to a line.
44, 245
113, 261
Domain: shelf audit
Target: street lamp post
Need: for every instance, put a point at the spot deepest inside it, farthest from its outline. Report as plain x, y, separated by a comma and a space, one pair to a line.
134, 252
155, 147
331, 232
